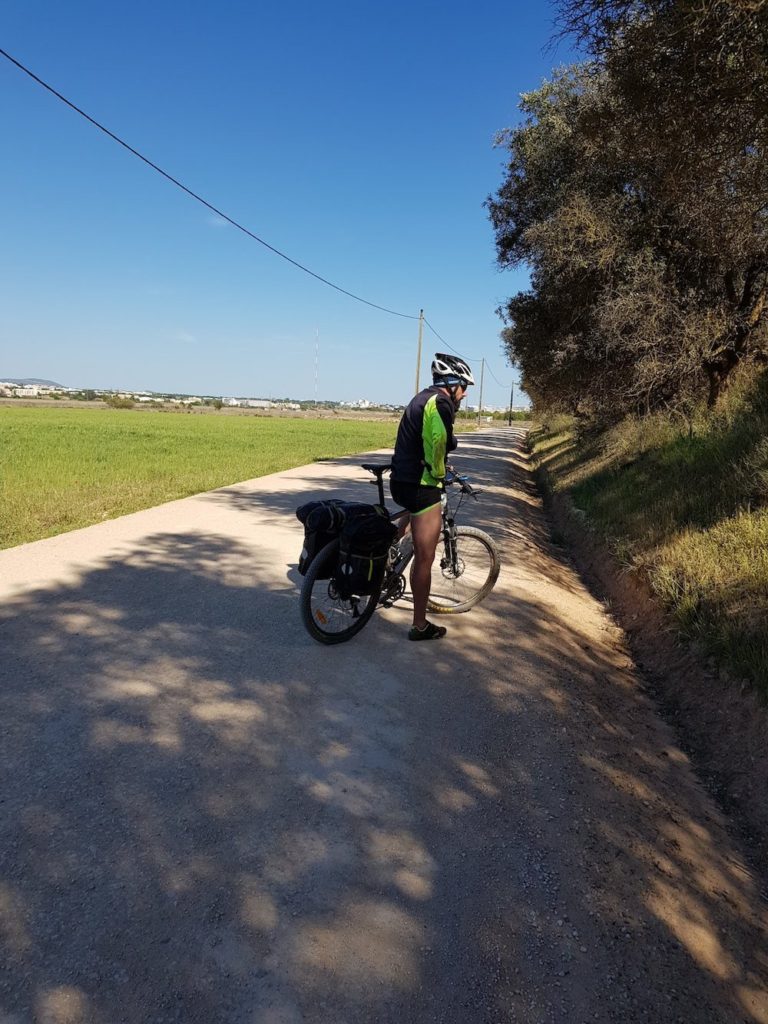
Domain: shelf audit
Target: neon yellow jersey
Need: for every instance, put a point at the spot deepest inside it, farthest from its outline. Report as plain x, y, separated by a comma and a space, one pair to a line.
434, 438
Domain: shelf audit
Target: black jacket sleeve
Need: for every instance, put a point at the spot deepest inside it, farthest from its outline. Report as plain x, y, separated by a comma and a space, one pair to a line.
447, 415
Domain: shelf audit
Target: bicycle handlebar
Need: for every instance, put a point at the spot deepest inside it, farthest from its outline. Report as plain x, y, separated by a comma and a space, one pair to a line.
452, 477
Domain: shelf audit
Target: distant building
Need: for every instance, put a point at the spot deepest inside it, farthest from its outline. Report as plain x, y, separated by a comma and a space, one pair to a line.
361, 403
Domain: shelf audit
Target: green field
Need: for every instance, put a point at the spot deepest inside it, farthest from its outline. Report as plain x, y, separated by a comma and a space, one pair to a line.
61, 469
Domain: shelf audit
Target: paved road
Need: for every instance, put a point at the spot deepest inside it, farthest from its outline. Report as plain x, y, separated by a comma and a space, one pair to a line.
209, 818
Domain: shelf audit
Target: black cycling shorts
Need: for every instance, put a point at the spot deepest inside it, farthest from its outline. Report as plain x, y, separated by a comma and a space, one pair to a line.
416, 498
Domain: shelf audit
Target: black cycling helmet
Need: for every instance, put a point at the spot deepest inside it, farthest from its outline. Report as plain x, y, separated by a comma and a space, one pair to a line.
448, 371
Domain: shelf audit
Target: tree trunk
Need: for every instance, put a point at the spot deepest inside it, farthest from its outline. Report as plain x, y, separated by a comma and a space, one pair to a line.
733, 348
717, 371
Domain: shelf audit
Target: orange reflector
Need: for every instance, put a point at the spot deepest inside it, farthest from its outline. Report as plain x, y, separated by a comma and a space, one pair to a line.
321, 618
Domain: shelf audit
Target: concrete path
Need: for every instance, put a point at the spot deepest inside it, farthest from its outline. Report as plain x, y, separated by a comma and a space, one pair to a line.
207, 817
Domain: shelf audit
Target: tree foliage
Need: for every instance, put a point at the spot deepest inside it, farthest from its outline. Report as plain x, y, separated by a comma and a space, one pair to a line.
636, 191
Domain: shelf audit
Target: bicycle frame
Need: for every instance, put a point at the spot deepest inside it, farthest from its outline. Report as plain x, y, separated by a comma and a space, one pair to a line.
403, 549
468, 569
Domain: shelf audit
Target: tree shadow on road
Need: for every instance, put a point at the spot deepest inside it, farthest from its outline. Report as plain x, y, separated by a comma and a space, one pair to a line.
210, 818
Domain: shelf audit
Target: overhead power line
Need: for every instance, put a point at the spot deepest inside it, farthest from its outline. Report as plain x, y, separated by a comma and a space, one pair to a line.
470, 359
194, 195
227, 218
495, 377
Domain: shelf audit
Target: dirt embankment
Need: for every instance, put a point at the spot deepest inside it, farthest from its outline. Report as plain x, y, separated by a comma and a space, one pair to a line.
721, 722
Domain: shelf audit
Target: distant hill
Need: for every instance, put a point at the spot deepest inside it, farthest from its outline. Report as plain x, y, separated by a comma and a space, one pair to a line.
31, 380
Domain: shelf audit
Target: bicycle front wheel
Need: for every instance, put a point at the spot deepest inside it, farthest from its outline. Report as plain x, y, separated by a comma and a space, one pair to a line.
459, 583
327, 617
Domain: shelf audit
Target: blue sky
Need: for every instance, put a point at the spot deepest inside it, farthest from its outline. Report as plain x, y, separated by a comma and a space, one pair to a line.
356, 138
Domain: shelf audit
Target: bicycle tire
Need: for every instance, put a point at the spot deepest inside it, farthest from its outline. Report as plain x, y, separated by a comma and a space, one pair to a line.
480, 566
327, 618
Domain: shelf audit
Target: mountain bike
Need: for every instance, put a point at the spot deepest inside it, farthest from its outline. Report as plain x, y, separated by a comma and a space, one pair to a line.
465, 570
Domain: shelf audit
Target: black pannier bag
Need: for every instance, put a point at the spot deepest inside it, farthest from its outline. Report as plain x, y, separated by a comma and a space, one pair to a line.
323, 521
365, 543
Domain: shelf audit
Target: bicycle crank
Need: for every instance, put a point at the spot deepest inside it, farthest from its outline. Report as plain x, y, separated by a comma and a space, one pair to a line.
395, 590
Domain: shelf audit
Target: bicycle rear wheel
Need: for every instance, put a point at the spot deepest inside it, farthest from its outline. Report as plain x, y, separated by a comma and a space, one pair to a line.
459, 585
327, 617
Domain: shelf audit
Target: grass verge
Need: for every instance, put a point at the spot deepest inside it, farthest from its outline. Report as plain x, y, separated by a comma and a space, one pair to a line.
685, 503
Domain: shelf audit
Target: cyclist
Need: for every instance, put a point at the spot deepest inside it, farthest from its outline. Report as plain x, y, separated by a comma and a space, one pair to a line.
424, 438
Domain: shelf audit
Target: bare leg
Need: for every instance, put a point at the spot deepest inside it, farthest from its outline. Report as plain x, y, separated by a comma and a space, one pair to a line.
425, 529
402, 525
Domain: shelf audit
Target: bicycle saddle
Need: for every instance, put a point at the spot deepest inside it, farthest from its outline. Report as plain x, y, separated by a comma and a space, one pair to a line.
378, 469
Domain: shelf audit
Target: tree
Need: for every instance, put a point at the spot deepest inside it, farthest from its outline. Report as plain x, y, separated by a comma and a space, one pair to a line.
637, 193
692, 79
590, 333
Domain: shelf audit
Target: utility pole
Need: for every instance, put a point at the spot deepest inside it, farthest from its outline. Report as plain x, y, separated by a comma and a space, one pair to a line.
317, 359
480, 400
418, 356
511, 401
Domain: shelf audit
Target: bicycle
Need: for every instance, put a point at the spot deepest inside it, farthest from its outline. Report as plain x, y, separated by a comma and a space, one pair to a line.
465, 570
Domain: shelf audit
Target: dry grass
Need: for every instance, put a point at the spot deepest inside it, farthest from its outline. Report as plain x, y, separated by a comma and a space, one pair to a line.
684, 502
